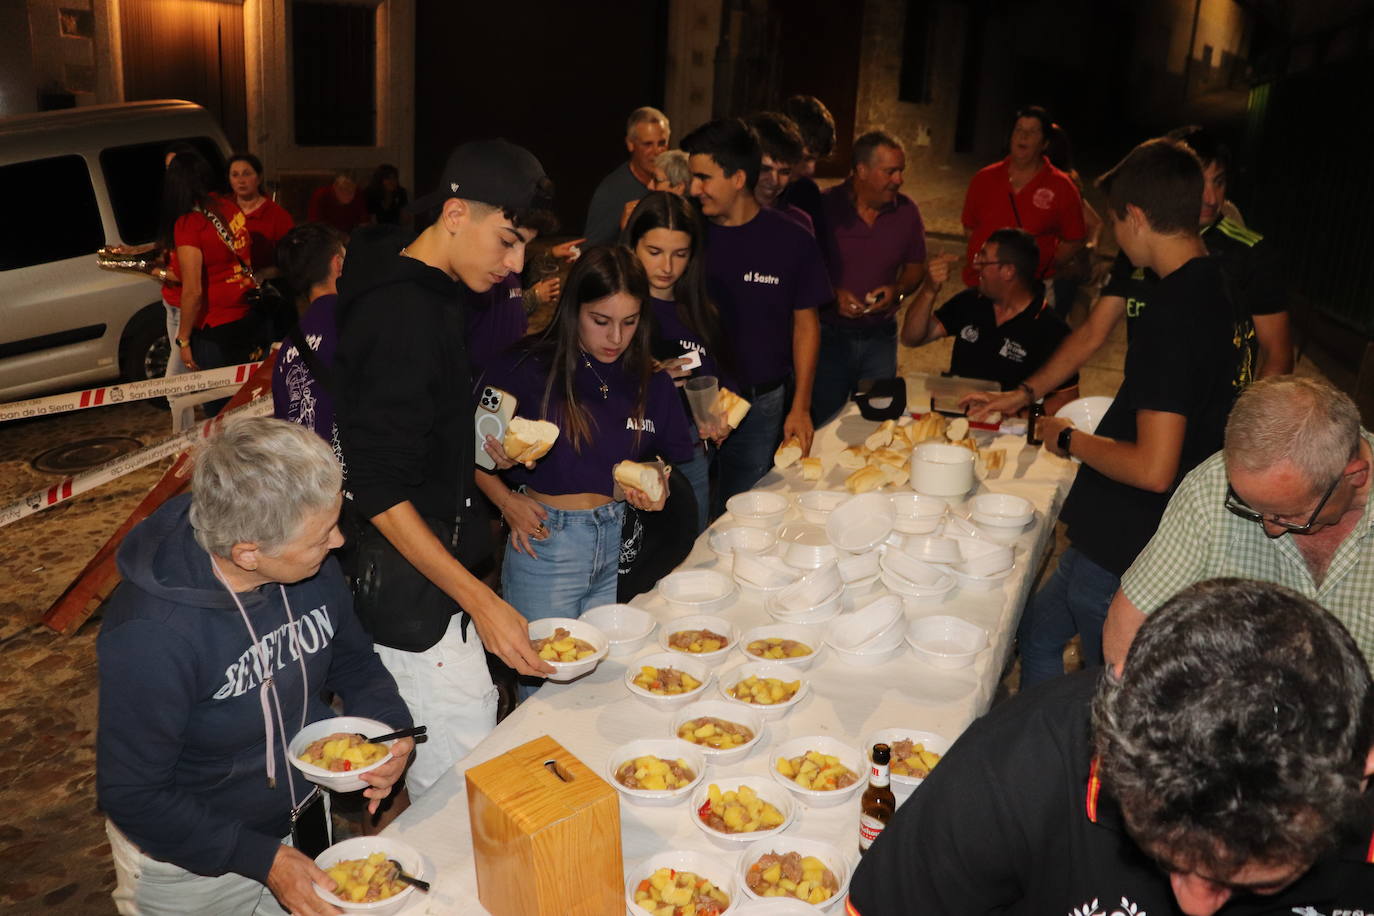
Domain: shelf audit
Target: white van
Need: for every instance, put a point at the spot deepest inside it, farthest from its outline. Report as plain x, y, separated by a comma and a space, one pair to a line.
72, 181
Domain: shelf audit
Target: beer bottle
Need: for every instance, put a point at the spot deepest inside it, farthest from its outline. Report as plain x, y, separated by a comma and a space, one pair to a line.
1033, 415
878, 803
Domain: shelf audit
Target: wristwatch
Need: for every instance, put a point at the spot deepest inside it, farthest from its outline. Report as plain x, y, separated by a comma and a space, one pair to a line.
182, 343
1065, 436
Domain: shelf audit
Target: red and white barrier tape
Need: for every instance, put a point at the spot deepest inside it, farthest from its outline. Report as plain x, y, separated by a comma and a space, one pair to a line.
77, 484
133, 391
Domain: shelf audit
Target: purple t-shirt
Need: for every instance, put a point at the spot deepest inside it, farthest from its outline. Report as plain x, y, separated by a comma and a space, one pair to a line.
496, 319
673, 336
566, 470
758, 274
798, 216
296, 394
864, 257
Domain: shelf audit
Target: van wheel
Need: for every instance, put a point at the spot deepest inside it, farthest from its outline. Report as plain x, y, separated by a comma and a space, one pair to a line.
144, 351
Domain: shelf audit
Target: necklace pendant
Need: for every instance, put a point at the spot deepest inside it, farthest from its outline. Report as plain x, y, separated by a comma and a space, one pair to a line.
605, 392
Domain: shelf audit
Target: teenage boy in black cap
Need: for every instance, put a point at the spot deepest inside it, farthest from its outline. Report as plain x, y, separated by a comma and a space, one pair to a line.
406, 424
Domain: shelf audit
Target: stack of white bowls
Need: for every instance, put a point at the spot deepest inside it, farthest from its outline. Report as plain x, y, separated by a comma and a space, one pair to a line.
762, 576
870, 636
758, 508
1001, 517
904, 574
812, 599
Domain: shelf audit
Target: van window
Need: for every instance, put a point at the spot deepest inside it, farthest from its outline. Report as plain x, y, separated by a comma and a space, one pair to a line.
133, 180
62, 220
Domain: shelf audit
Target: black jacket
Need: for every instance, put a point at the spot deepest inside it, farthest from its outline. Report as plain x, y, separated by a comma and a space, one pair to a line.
1012, 822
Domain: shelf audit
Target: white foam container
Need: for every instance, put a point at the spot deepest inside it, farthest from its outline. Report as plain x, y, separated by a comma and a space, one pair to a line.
730, 711
840, 864
770, 711
715, 868
360, 848
580, 629
764, 788
811, 636
848, 755
342, 781
699, 622
682, 662
666, 748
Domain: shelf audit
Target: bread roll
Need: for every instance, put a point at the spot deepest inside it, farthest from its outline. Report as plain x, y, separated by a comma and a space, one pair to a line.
529, 440
882, 436
787, 454
635, 476
957, 429
731, 406
864, 479
889, 456
811, 468
967, 442
853, 458
992, 458
895, 475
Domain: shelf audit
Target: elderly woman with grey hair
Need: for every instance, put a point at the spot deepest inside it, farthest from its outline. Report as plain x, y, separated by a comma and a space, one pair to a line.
231, 622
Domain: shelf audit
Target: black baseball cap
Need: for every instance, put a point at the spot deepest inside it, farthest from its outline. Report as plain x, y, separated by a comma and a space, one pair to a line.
495, 172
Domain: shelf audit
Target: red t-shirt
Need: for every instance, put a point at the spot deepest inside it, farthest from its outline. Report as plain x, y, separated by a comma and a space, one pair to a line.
1049, 207
325, 208
266, 226
221, 275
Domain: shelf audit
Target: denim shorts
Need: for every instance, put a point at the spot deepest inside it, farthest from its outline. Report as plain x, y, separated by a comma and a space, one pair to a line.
576, 566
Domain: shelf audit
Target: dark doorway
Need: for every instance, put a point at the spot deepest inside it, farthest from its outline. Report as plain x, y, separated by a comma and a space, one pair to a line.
187, 49
559, 78
820, 51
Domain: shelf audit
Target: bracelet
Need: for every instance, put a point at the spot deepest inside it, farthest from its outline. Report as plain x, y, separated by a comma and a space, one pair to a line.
1065, 439
182, 343
1030, 392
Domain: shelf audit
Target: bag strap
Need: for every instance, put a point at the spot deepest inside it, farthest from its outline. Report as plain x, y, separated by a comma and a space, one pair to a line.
318, 371
228, 241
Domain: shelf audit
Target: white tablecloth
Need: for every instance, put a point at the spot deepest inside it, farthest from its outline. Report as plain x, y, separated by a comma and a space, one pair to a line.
596, 714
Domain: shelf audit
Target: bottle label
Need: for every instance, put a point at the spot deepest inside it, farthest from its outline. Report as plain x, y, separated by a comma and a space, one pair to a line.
869, 828
878, 775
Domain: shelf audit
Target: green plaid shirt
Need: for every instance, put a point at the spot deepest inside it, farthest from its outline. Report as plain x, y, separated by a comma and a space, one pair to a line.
1199, 538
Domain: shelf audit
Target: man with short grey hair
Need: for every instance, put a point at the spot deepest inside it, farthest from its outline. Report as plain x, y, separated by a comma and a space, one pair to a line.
1295, 462
646, 136
875, 245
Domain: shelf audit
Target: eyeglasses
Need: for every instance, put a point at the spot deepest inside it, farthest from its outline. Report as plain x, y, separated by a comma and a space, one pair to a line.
979, 263
1237, 506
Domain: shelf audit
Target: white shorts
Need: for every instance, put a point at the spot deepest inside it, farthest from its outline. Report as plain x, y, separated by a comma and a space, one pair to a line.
145, 886
448, 688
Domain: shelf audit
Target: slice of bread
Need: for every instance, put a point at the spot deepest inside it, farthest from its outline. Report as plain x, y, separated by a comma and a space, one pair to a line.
787, 454
853, 458
731, 406
529, 440
881, 436
864, 479
635, 476
811, 468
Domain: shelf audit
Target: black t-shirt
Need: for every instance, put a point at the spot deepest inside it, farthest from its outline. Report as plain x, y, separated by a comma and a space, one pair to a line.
1251, 269
1007, 353
1008, 823
806, 194
1190, 353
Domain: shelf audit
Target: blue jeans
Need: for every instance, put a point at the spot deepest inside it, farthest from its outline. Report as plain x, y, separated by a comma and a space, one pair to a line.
576, 568
697, 472
1075, 600
847, 355
747, 454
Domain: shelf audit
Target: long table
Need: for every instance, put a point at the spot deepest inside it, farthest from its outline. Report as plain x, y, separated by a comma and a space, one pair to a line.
595, 714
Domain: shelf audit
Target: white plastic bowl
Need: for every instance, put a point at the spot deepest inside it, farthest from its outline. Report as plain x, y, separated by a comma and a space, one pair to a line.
932, 595
758, 508
848, 755
693, 666
811, 636
346, 781
811, 589
816, 505
765, 574
360, 848
697, 591
827, 609
764, 788
941, 469
998, 535
859, 566
856, 593
890, 648
917, 572
762, 670
861, 522
627, 628
666, 748
867, 628
726, 712
580, 629
698, 622
903, 785
917, 513
956, 527
981, 583
737, 539
714, 868
805, 545
1002, 510
932, 548
1085, 413
840, 864
946, 642
983, 558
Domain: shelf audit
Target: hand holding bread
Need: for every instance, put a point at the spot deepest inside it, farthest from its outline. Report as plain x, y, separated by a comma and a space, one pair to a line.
526, 441
645, 487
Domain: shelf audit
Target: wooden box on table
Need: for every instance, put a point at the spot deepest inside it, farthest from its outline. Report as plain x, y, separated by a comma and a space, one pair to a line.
545, 834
